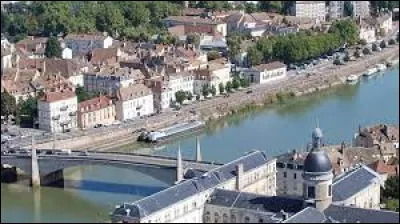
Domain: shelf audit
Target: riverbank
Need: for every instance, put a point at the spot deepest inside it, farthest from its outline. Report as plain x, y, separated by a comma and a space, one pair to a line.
219, 107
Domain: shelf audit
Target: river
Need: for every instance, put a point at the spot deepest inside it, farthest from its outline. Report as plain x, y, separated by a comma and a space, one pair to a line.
92, 192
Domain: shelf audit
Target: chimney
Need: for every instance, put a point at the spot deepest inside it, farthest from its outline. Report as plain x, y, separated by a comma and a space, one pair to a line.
239, 177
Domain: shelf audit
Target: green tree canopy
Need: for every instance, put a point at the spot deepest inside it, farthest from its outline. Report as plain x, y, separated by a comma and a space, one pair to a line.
180, 96
228, 86
8, 104
53, 48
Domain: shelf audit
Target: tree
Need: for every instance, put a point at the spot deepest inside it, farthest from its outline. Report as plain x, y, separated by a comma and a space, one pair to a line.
205, 90
250, 7
83, 95
391, 42
271, 6
382, 44
366, 51
374, 47
197, 97
255, 56
212, 55
189, 95
193, 39
213, 90
53, 48
8, 104
27, 111
228, 87
221, 88
391, 189
235, 84
348, 9
244, 82
362, 42
346, 58
180, 96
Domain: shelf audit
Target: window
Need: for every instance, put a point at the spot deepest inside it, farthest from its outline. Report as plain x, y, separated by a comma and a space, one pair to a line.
233, 218
311, 192
207, 217
294, 175
194, 205
330, 190
290, 166
246, 219
216, 217
284, 174
225, 218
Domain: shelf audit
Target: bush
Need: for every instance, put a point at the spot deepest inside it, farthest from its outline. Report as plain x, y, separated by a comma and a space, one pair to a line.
212, 55
180, 96
197, 97
392, 41
228, 87
235, 84
383, 44
374, 47
366, 51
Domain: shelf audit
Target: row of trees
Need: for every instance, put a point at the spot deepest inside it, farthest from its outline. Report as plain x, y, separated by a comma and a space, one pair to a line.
130, 19
25, 112
296, 48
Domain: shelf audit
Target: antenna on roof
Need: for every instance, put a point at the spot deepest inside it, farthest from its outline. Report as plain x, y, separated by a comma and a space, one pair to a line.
316, 120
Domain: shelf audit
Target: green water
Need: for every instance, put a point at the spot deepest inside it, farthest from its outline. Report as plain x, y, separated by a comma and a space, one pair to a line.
92, 192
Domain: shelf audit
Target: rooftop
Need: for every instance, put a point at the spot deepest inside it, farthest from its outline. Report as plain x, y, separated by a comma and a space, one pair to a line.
133, 92
345, 214
350, 183
94, 104
270, 66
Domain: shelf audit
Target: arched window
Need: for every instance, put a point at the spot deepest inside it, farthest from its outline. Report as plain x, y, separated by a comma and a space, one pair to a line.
246, 219
207, 218
233, 218
216, 217
225, 218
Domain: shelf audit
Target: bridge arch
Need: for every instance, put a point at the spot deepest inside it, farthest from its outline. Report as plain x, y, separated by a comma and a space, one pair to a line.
51, 169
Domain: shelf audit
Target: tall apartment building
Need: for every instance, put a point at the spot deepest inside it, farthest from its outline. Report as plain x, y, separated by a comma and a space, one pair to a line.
360, 9
311, 9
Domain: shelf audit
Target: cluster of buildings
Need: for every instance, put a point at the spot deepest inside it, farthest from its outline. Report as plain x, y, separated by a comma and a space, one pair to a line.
248, 190
143, 78
132, 79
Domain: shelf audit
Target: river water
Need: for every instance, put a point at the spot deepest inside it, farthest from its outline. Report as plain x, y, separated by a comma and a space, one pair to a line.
92, 192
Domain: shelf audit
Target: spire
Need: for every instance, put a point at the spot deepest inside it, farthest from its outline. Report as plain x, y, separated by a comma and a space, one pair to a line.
198, 152
179, 167
316, 137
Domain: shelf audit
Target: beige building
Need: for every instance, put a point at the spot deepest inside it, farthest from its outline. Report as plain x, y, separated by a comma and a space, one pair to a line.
360, 9
312, 9
99, 110
265, 73
133, 102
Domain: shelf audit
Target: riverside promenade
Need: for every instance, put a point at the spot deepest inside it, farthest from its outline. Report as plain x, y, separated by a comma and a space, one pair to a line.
217, 107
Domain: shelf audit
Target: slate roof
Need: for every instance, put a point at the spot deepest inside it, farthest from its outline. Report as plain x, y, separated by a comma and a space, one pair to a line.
188, 188
352, 182
307, 215
257, 202
345, 214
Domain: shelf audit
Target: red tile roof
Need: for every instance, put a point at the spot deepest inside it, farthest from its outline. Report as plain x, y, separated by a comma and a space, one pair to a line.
53, 96
94, 104
382, 168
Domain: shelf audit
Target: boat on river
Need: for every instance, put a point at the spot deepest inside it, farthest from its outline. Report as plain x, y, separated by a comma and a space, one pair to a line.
176, 130
371, 71
352, 79
381, 67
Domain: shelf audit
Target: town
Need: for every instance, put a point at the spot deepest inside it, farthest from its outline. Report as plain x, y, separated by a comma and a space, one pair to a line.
90, 76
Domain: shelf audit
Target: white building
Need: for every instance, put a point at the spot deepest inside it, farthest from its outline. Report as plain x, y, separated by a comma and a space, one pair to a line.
57, 110
66, 53
312, 9
367, 33
360, 9
213, 75
134, 101
81, 43
265, 73
385, 23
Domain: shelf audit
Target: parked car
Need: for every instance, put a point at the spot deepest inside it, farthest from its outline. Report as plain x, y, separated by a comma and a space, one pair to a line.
98, 126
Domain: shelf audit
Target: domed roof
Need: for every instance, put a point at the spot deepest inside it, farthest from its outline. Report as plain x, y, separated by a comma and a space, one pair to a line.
317, 161
317, 133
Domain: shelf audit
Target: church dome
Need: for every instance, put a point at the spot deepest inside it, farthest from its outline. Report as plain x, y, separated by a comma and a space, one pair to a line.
317, 162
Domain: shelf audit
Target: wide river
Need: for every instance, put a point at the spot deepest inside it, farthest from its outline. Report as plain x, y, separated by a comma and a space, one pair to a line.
92, 192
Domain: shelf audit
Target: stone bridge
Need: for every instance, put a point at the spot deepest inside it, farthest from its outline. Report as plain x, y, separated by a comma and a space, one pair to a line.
48, 165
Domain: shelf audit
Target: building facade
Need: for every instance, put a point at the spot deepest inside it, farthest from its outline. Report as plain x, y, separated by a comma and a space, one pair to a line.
133, 102
57, 111
312, 9
361, 9
99, 110
265, 73
86, 43
213, 75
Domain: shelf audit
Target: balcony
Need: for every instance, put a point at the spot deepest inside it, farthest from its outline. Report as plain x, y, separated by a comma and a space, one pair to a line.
64, 108
55, 118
